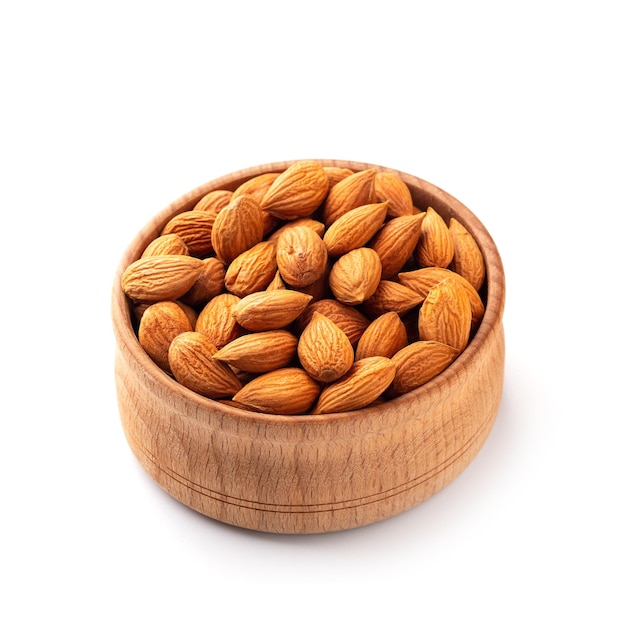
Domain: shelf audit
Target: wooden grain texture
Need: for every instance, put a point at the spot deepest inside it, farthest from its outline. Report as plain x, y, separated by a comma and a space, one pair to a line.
312, 474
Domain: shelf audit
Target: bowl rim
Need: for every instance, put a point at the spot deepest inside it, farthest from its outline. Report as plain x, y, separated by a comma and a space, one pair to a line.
494, 305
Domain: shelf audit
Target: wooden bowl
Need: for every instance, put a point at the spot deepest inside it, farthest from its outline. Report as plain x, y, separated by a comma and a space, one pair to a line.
311, 474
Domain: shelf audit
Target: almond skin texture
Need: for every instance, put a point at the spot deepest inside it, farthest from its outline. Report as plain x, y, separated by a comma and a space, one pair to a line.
355, 276
365, 382
390, 296
191, 363
422, 280
166, 244
355, 228
353, 191
260, 352
270, 310
257, 186
214, 201
435, 247
418, 363
210, 283
389, 186
216, 320
253, 270
238, 227
468, 260
446, 315
156, 278
316, 225
194, 228
383, 337
350, 320
324, 350
297, 191
335, 174
285, 391
160, 323
301, 256
396, 241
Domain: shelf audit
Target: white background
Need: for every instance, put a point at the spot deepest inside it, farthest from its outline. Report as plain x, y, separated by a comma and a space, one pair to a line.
110, 111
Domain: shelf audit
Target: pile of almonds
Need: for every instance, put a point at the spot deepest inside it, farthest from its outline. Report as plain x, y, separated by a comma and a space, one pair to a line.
312, 290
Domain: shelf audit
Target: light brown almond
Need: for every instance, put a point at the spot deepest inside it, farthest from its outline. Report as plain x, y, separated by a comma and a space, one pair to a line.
238, 227
277, 282
160, 323
350, 320
366, 380
335, 174
396, 241
389, 186
301, 256
256, 186
253, 270
191, 363
213, 201
260, 352
324, 350
156, 278
216, 320
285, 391
355, 228
418, 363
355, 276
194, 228
446, 315
296, 192
422, 280
383, 337
316, 225
390, 296
435, 247
270, 310
166, 244
353, 191
468, 260
208, 284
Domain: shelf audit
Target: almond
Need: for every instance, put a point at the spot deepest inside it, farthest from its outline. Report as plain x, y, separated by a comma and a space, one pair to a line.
269, 310
194, 228
422, 280
256, 186
468, 260
316, 225
396, 241
301, 256
208, 284
260, 352
297, 191
383, 337
238, 227
366, 380
253, 270
216, 320
160, 323
355, 228
435, 246
418, 363
390, 296
389, 186
277, 282
335, 174
191, 363
446, 315
351, 192
156, 278
213, 201
351, 321
324, 350
285, 391
355, 276
166, 244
